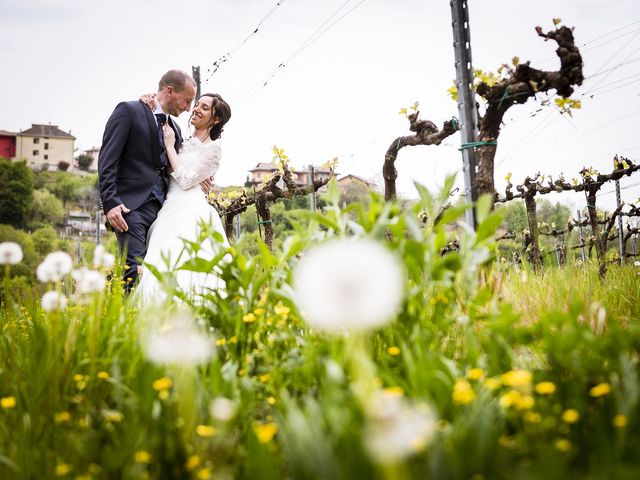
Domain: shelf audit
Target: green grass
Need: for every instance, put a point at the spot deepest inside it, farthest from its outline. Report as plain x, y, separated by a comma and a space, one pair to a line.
510, 377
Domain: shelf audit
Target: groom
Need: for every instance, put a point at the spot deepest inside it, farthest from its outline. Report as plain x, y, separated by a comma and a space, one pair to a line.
132, 165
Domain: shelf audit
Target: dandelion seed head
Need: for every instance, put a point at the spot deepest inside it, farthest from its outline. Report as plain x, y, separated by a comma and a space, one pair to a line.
223, 409
348, 284
396, 429
53, 300
10, 253
178, 341
102, 258
54, 267
88, 281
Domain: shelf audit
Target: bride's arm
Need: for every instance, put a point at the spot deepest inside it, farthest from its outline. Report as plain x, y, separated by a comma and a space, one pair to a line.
189, 176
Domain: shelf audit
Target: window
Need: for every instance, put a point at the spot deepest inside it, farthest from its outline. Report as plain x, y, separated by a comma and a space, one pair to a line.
36, 153
46, 157
46, 145
36, 140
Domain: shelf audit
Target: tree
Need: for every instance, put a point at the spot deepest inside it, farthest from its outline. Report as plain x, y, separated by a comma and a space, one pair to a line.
46, 209
515, 84
44, 240
425, 133
16, 192
84, 161
63, 166
66, 188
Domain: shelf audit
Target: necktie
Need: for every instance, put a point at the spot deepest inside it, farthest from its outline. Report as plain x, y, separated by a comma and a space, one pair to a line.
162, 119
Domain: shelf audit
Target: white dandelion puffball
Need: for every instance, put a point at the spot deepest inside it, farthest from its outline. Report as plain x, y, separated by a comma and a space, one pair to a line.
223, 409
88, 281
636, 263
54, 267
348, 284
53, 300
178, 342
102, 258
10, 253
396, 429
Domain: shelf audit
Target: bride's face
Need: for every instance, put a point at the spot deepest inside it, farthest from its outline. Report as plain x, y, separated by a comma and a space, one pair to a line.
203, 113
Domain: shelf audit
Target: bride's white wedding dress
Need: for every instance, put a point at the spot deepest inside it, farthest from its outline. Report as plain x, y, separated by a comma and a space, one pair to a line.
184, 208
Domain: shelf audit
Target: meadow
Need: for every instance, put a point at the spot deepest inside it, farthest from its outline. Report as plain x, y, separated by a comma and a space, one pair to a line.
365, 347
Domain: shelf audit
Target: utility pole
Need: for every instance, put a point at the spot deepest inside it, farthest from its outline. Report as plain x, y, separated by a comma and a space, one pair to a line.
620, 230
466, 101
313, 193
195, 73
98, 232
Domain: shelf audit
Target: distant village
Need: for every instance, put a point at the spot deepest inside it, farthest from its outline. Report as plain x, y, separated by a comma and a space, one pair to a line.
49, 148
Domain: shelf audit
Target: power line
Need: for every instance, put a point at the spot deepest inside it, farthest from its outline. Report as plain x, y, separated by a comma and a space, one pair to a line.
321, 30
227, 56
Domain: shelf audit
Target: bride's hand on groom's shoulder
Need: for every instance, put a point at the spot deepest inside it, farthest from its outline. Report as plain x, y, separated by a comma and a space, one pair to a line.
149, 99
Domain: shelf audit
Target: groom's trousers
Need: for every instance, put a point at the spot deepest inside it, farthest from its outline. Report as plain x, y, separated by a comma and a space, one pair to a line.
133, 242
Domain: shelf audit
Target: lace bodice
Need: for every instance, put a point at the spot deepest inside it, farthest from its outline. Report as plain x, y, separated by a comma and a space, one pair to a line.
199, 161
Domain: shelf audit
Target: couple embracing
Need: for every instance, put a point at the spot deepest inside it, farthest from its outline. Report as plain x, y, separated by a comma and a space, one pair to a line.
154, 185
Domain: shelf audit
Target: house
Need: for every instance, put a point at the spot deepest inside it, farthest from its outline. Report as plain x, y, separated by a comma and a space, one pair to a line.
93, 152
7, 144
82, 222
264, 171
44, 146
354, 180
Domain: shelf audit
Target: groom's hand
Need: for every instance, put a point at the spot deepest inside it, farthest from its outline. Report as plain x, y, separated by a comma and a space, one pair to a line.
116, 219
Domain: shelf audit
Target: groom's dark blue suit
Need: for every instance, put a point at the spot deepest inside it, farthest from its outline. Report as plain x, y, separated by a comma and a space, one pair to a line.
132, 169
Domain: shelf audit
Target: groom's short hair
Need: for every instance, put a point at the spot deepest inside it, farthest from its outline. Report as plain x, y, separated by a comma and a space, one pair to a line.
177, 79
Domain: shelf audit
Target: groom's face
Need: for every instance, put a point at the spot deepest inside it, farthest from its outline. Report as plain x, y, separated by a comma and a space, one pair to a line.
180, 101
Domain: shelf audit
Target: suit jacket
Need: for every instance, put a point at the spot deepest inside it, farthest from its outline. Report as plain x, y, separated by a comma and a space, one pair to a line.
131, 157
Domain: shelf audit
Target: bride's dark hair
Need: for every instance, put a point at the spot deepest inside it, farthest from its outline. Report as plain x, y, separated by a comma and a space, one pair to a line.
223, 114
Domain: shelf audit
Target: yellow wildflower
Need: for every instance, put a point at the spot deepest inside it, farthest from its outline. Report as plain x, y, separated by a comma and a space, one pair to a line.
475, 374
393, 351
515, 399
259, 311
462, 392
492, 384
271, 400
620, 421
62, 469
62, 417
532, 417
163, 383
265, 431
205, 431
570, 415
517, 378
192, 462
264, 378
163, 394
220, 341
562, 444
112, 416
395, 391
203, 473
249, 318
545, 388
281, 310
8, 402
233, 340
103, 375
142, 456
600, 390
78, 378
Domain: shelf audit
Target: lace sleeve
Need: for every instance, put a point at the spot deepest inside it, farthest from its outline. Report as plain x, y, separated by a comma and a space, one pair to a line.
207, 164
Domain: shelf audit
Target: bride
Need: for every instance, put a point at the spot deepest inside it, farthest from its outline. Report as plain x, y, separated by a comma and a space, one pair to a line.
186, 213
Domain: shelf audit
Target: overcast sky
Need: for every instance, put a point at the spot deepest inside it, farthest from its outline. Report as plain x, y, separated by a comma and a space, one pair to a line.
70, 63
